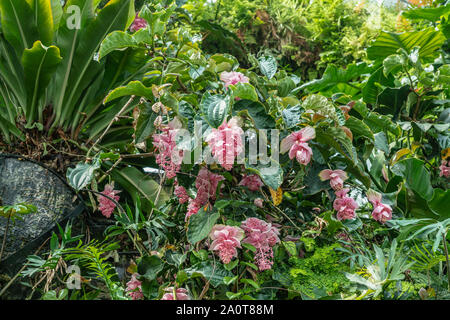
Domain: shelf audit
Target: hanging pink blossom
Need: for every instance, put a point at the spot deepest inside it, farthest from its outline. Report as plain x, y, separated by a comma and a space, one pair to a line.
206, 184
107, 206
226, 239
181, 193
169, 157
226, 142
233, 77
336, 177
252, 182
381, 212
180, 294
263, 236
297, 146
344, 205
444, 169
134, 288
138, 24
259, 203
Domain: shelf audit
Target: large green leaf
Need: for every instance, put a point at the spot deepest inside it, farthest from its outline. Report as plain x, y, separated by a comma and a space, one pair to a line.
18, 29
114, 16
43, 18
440, 202
80, 176
268, 66
214, 272
244, 91
215, 108
39, 64
136, 183
430, 14
200, 225
149, 266
359, 128
334, 76
271, 173
372, 88
133, 88
256, 111
417, 178
395, 99
429, 41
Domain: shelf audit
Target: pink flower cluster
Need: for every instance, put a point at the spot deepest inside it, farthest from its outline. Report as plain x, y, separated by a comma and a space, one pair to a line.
181, 193
169, 157
180, 294
206, 184
134, 288
344, 205
381, 212
252, 182
444, 169
233, 77
226, 142
336, 177
263, 236
226, 239
107, 206
138, 24
297, 146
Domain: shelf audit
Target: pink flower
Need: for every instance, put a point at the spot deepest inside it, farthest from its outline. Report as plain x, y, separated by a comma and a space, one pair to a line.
336, 177
381, 212
180, 294
226, 142
169, 157
181, 193
233, 77
107, 206
206, 184
138, 24
344, 205
263, 236
444, 170
259, 203
134, 288
225, 240
297, 146
252, 182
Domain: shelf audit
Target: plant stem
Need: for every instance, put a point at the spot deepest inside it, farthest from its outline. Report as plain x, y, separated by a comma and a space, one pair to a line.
444, 238
4, 238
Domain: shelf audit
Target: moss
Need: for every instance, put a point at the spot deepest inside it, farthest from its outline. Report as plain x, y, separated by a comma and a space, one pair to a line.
321, 270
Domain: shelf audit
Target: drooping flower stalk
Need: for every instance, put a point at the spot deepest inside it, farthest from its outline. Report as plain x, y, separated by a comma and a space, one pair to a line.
297, 145
225, 240
381, 212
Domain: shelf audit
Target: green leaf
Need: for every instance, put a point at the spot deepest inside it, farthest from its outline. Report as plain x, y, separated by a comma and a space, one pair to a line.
388, 43
359, 128
133, 88
440, 202
145, 123
43, 18
372, 88
149, 266
82, 174
213, 272
117, 40
250, 282
136, 183
271, 174
200, 225
290, 247
268, 66
393, 63
430, 14
215, 108
39, 64
395, 99
417, 178
291, 116
16, 26
334, 76
256, 111
244, 91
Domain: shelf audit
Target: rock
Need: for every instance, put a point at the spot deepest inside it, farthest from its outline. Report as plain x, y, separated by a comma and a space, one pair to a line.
24, 181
